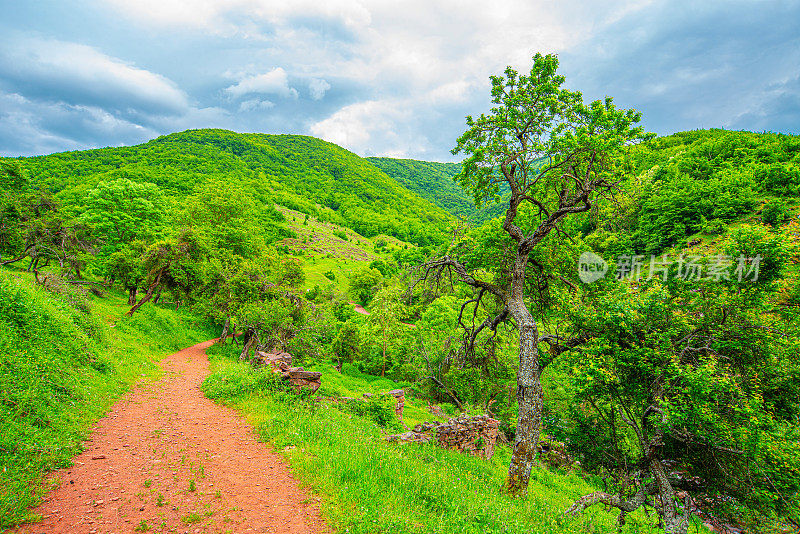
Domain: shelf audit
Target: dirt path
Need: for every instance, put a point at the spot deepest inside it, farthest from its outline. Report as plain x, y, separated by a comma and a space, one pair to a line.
142, 457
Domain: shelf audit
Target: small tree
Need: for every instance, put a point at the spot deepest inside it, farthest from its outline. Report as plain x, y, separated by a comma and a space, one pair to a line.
173, 264
347, 343
556, 155
125, 267
365, 284
384, 318
676, 383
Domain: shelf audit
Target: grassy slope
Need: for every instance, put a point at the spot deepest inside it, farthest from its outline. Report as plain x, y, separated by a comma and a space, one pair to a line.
60, 370
323, 251
298, 172
370, 486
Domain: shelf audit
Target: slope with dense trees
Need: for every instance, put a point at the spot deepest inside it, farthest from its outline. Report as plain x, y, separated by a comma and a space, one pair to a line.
298, 172
436, 182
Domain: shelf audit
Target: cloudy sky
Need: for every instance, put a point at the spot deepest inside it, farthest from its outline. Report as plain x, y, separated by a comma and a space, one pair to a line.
380, 78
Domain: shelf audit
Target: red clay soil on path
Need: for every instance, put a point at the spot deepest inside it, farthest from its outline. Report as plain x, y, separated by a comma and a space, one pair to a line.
157, 440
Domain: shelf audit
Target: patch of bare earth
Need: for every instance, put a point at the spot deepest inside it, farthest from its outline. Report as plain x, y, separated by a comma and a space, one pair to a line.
167, 459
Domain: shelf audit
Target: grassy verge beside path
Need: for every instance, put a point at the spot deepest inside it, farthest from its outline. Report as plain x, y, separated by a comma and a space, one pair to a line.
65, 358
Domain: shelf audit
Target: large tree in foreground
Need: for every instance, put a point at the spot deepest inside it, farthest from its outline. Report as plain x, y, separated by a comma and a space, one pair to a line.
555, 154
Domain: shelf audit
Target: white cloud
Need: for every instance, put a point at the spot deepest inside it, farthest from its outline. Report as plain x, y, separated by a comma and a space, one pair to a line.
318, 87
404, 75
255, 105
239, 17
457, 91
81, 75
64, 96
31, 127
274, 82
370, 128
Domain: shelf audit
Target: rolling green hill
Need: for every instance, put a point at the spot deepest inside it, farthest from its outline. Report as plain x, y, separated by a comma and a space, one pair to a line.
434, 182
301, 173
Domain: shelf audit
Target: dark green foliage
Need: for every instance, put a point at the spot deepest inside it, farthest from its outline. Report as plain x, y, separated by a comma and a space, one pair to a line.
676, 204
301, 173
377, 408
364, 284
776, 212
436, 182
713, 227
779, 178
347, 343
122, 211
703, 356
689, 178
386, 268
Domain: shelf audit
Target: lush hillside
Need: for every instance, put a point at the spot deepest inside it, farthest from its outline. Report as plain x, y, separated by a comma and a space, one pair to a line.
247, 231
434, 182
298, 172
700, 182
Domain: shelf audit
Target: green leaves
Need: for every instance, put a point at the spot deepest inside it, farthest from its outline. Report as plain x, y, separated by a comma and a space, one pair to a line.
122, 211
538, 134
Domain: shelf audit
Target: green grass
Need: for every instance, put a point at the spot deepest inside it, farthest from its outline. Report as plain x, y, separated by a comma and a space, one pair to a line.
370, 486
353, 383
192, 517
61, 368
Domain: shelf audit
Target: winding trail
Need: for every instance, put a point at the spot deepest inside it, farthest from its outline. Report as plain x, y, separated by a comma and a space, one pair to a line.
155, 442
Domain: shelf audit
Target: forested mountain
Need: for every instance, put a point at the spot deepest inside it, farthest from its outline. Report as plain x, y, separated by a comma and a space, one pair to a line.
435, 182
298, 172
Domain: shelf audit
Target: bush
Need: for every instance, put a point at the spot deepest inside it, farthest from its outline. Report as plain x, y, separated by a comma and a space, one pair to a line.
778, 178
364, 284
775, 213
237, 380
378, 408
713, 227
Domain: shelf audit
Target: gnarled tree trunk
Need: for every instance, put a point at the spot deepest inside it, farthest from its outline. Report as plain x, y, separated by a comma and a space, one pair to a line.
529, 387
147, 295
132, 292
225, 331
250, 339
674, 518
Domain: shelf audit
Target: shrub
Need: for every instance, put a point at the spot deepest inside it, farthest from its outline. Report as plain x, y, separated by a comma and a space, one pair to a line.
237, 380
713, 227
778, 178
378, 408
775, 213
